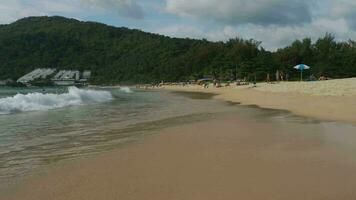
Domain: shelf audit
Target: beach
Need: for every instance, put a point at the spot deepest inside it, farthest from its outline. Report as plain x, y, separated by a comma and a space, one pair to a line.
249, 153
230, 157
333, 100
273, 141
42, 127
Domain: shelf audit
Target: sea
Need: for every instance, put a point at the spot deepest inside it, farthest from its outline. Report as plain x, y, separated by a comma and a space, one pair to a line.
42, 126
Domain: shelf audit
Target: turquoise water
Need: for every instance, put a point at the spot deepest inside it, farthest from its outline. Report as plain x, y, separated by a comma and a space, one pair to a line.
40, 126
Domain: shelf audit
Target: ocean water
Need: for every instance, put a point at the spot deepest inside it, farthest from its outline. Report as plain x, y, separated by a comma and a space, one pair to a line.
40, 126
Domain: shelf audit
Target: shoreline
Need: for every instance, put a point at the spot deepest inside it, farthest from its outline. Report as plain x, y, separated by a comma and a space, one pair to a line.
225, 158
323, 107
231, 156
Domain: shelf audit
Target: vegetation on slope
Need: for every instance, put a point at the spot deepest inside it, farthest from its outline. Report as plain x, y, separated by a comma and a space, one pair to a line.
121, 55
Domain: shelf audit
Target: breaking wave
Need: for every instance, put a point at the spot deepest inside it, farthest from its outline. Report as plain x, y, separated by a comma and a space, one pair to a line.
40, 102
125, 90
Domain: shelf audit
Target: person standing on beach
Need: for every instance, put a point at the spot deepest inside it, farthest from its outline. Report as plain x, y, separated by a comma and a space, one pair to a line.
268, 79
206, 85
282, 76
277, 76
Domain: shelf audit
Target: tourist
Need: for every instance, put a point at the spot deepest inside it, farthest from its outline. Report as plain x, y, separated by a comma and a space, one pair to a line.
277, 76
281, 76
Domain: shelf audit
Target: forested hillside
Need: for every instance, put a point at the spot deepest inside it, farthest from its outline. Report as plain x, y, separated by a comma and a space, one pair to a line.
121, 55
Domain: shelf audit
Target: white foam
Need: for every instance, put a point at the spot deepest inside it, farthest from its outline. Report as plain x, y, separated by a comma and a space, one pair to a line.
38, 101
125, 90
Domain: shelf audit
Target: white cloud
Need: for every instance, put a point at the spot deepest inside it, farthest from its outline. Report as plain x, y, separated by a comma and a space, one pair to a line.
262, 12
125, 8
13, 10
272, 37
16, 9
276, 23
343, 9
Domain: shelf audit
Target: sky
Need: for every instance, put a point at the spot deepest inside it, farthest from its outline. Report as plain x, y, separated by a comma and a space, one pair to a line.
276, 23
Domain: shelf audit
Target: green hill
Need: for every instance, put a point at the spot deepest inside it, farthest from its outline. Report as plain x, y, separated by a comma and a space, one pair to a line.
121, 55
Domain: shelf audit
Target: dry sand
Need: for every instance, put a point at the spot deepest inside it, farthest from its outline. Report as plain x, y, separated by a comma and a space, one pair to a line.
337, 87
227, 158
327, 100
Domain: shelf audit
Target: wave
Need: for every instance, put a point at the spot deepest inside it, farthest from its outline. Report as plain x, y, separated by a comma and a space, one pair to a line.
41, 102
125, 90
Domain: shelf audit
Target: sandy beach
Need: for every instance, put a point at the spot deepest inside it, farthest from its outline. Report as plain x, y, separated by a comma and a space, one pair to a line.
234, 155
333, 100
247, 160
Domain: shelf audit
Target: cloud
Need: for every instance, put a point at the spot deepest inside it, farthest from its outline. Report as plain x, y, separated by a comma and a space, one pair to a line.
276, 23
343, 9
16, 9
272, 37
125, 8
233, 12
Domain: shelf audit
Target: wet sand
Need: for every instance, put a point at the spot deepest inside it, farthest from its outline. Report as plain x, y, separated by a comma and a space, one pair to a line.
230, 157
321, 106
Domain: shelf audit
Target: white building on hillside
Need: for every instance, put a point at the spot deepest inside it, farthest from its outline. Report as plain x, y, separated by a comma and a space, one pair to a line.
41, 73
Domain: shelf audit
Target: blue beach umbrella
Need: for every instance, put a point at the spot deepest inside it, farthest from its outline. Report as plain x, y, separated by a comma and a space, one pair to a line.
301, 67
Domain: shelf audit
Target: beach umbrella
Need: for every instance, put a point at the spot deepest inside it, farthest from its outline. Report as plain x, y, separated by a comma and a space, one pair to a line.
301, 67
